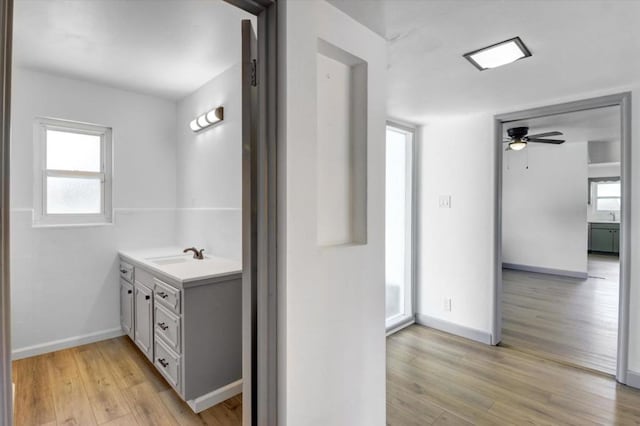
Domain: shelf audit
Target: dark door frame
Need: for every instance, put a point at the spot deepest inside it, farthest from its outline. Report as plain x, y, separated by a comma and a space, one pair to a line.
260, 397
622, 100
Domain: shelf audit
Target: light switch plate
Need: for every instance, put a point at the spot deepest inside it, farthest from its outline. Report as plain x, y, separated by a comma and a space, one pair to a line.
444, 201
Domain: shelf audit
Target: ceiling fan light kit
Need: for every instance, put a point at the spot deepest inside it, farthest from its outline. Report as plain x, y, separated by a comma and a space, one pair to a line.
517, 145
519, 138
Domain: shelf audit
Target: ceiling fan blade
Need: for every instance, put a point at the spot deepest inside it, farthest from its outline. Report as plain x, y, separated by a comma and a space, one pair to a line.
542, 135
553, 141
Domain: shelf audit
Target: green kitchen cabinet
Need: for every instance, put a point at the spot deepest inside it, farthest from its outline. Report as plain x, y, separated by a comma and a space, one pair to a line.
604, 237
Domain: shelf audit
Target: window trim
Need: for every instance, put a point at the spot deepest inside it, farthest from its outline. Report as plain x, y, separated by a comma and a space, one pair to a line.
40, 216
400, 321
593, 188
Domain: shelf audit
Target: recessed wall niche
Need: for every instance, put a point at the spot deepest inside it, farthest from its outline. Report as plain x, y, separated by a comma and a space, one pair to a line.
341, 146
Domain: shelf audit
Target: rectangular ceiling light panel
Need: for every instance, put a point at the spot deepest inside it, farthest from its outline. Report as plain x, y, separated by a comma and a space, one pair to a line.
498, 54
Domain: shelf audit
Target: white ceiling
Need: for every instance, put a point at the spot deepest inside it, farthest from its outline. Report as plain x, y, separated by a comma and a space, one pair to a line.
599, 127
166, 48
578, 47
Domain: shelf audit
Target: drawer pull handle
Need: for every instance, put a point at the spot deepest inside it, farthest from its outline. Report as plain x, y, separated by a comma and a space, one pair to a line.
163, 325
163, 294
124, 271
163, 362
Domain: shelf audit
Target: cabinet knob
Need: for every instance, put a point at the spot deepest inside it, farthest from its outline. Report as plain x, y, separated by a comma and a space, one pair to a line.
147, 297
163, 362
163, 325
129, 291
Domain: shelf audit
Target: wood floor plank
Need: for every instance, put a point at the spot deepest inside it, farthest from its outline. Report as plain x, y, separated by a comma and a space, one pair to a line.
180, 410
449, 419
126, 372
106, 398
147, 407
71, 403
34, 401
128, 420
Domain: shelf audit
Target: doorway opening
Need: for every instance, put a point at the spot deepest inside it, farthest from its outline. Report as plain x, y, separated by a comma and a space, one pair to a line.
113, 122
562, 211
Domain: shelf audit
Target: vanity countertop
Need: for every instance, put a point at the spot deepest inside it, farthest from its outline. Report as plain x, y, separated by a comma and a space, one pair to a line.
182, 268
604, 221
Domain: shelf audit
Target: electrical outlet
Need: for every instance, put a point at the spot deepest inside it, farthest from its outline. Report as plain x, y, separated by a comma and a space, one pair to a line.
447, 304
444, 201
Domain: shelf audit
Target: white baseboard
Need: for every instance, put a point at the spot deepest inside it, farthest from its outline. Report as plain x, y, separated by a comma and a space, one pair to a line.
549, 271
633, 379
69, 342
452, 328
210, 399
395, 327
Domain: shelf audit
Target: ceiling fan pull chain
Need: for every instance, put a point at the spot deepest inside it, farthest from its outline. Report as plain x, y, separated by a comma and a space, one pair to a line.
527, 159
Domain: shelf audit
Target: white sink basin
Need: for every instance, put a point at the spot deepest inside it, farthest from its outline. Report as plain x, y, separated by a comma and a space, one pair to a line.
171, 260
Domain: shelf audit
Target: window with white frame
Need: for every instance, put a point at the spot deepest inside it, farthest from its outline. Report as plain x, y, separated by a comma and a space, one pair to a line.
73, 173
607, 195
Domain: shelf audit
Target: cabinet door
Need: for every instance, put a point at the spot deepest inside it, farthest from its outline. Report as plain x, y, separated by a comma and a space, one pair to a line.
616, 241
126, 307
601, 239
144, 319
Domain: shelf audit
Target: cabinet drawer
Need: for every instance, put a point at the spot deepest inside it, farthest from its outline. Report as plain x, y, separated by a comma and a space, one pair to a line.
126, 271
167, 326
167, 363
167, 295
145, 278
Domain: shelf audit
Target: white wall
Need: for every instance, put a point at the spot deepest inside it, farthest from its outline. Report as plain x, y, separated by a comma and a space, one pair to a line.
604, 170
332, 329
465, 263
455, 256
544, 207
64, 281
209, 167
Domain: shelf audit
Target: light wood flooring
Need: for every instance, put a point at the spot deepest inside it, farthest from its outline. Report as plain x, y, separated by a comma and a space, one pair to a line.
439, 379
565, 319
108, 383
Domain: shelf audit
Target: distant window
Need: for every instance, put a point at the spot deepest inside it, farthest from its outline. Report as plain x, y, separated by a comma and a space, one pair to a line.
73, 185
607, 196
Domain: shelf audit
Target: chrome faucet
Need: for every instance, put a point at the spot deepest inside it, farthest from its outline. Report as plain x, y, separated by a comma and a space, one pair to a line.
197, 254
613, 216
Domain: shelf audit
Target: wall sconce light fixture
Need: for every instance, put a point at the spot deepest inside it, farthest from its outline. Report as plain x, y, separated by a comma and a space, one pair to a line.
205, 120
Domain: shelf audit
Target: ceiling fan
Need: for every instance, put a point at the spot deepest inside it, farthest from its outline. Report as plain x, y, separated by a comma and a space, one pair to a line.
518, 138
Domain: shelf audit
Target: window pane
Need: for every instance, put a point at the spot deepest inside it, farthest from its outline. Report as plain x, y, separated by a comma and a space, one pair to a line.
73, 151
396, 222
609, 189
73, 195
608, 204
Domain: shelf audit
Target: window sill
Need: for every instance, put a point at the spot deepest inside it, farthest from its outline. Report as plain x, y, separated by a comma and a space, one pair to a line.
70, 225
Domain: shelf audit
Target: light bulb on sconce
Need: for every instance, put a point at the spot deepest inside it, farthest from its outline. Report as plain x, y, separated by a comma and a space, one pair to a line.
214, 116
194, 125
